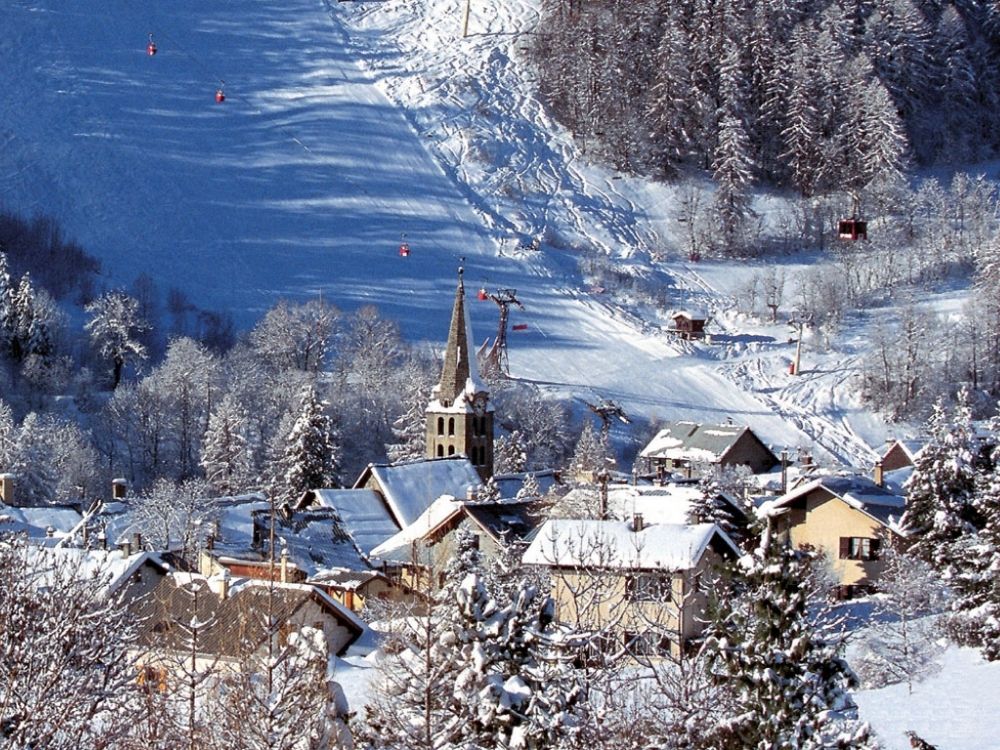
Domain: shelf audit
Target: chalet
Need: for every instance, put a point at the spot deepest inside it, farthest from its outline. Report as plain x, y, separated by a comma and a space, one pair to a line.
848, 518
689, 324
900, 454
680, 446
638, 586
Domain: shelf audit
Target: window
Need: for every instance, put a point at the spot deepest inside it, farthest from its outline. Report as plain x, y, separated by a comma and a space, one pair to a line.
859, 548
440, 425
440, 451
647, 587
451, 425
451, 450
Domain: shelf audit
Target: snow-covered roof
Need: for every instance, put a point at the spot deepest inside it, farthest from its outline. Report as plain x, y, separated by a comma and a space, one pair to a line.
690, 441
911, 447
669, 504
439, 512
113, 566
691, 313
884, 504
362, 513
350, 580
410, 488
314, 539
510, 484
34, 522
615, 545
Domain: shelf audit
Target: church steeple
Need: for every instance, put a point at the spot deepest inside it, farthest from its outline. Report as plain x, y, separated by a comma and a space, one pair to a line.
459, 415
459, 360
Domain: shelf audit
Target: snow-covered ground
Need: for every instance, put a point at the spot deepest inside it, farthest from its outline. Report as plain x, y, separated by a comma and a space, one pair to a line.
346, 126
955, 709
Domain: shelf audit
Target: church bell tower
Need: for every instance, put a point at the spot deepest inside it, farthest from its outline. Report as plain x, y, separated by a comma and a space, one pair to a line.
460, 415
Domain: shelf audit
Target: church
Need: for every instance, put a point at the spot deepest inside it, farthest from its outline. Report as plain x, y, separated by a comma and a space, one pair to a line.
460, 415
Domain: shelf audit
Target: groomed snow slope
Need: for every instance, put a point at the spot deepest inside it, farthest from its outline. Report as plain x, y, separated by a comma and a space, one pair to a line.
346, 126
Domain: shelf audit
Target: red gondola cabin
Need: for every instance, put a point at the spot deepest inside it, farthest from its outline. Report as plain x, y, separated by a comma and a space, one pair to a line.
482, 296
853, 229
220, 96
404, 250
151, 47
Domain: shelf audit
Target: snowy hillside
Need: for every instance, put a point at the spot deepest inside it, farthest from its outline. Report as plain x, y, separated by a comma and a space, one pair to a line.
345, 127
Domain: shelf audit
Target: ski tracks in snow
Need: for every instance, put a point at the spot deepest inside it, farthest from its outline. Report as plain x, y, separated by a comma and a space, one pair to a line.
809, 401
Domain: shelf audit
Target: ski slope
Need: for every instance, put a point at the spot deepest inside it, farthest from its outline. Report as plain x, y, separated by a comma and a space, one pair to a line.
347, 126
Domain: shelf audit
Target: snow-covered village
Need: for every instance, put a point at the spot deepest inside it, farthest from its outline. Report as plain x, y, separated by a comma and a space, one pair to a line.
473, 374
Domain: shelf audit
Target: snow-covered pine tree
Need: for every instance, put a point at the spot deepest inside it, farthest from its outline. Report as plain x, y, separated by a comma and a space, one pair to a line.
8, 437
710, 507
225, 453
310, 458
32, 463
975, 619
509, 456
489, 492
474, 672
803, 121
530, 489
784, 682
592, 452
8, 312
24, 317
941, 490
732, 166
409, 430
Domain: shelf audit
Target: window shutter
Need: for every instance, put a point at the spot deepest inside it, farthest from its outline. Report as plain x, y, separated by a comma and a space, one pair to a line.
845, 547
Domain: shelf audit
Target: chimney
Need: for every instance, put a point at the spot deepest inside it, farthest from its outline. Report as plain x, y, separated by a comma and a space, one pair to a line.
137, 542
879, 474
102, 538
637, 522
223, 584
50, 531
119, 488
7, 488
472, 493
125, 548
784, 471
284, 564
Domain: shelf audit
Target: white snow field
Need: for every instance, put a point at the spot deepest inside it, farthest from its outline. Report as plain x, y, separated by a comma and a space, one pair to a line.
955, 709
345, 126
